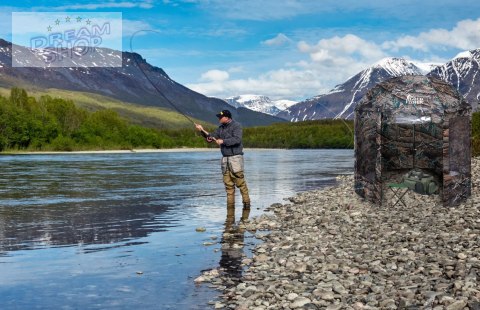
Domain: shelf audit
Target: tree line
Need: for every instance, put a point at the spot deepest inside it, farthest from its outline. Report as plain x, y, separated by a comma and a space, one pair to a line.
302, 135
54, 124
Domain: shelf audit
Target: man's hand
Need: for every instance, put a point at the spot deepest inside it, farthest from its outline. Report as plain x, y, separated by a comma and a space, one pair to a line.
199, 127
219, 141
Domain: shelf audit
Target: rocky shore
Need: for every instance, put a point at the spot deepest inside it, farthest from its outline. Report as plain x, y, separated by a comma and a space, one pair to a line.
329, 249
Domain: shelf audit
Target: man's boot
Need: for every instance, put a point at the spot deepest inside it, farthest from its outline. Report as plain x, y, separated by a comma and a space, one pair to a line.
245, 214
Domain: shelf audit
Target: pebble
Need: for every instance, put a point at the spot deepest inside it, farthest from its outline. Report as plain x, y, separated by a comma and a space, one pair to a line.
326, 296
299, 302
330, 249
458, 305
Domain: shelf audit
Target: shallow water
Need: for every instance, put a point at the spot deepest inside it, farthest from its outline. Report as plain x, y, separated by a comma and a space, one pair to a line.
104, 231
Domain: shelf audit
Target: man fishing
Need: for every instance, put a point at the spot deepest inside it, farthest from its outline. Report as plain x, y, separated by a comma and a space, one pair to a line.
229, 137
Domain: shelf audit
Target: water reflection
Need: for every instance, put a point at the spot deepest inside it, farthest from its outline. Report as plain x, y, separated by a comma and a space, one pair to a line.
109, 223
61, 200
61, 208
233, 242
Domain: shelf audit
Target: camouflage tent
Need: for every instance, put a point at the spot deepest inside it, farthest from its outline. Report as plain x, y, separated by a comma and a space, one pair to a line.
413, 123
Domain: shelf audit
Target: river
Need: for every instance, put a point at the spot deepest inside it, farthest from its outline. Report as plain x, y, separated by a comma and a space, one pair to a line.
117, 231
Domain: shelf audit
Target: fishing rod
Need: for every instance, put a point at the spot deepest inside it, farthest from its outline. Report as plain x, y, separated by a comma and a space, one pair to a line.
151, 82
203, 132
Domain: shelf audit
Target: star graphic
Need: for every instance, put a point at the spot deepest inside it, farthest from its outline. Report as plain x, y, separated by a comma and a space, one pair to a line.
79, 19
67, 19
88, 21
57, 22
49, 28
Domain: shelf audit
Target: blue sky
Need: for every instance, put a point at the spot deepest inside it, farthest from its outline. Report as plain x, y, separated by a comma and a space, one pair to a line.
292, 49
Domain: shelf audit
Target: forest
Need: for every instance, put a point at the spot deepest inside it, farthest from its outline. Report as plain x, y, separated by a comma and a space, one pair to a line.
54, 124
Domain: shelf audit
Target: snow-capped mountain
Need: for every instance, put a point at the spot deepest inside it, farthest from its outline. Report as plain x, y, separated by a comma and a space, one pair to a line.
463, 73
284, 104
127, 83
259, 103
426, 68
341, 100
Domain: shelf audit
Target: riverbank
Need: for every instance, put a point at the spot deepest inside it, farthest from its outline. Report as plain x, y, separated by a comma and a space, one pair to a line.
186, 149
172, 150
330, 249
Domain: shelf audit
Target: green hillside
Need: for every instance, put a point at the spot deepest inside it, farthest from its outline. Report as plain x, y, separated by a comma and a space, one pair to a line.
152, 117
55, 124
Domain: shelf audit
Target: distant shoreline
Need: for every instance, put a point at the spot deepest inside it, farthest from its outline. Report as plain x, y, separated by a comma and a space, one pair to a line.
173, 150
110, 151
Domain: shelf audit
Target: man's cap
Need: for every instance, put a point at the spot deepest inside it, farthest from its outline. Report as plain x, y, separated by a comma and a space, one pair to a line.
224, 113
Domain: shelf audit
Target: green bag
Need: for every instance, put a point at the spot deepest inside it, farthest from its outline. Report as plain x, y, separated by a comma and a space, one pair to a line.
420, 182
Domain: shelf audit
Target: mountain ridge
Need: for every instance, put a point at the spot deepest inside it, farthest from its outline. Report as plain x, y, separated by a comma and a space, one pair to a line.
462, 72
126, 83
340, 101
259, 103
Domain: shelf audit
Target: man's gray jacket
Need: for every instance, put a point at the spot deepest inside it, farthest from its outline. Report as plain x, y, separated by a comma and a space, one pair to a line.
231, 133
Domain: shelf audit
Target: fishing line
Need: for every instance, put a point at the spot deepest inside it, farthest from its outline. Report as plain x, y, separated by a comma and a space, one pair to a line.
174, 105
151, 82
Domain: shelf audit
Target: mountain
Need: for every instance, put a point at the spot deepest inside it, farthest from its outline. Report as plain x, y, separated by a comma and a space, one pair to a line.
126, 83
284, 104
259, 103
341, 100
462, 72
426, 68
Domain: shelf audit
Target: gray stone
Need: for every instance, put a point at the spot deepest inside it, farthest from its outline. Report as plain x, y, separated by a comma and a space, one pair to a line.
319, 252
457, 305
299, 302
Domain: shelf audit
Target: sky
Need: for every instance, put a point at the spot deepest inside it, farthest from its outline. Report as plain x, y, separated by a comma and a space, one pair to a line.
292, 49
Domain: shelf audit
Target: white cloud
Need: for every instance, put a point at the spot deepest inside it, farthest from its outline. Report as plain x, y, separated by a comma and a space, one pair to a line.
333, 60
465, 35
215, 76
330, 61
255, 10
145, 4
131, 26
236, 69
278, 84
287, 9
278, 40
337, 48
222, 31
